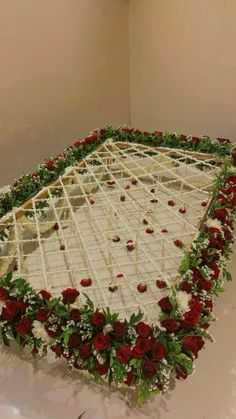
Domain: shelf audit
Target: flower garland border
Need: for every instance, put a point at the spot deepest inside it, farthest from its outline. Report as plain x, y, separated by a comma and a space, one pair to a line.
96, 340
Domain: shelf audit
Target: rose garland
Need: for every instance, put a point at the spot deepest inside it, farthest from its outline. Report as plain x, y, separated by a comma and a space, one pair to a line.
130, 352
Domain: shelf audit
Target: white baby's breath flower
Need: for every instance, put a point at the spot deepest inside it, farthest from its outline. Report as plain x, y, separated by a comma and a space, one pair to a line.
182, 299
214, 223
2, 305
107, 328
39, 331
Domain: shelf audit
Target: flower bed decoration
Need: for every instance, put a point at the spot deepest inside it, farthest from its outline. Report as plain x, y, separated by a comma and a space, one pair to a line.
112, 253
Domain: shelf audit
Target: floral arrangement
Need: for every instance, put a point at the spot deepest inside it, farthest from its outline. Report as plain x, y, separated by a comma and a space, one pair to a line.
129, 351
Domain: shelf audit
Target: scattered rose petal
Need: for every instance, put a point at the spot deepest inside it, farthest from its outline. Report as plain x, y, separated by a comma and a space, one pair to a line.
160, 283
142, 288
122, 198
153, 201
15, 267
149, 230
204, 204
86, 282
145, 221
182, 210
134, 182
178, 243
62, 247
120, 275
116, 239
164, 230
112, 288
152, 190
91, 201
56, 226
149, 211
130, 245
126, 187
171, 203
110, 183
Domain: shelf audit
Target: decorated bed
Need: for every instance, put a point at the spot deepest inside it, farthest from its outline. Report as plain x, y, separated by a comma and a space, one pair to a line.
112, 254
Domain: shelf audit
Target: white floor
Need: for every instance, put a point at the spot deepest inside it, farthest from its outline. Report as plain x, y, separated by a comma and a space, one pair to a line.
47, 391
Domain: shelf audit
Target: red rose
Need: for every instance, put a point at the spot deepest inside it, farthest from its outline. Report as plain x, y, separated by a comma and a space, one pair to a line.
137, 132
129, 378
196, 274
11, 309
52, 333
190, 319
158, 351
183, 137
185, 286
85, 350
102, 369
195, 140
223, 140
159, 133
101, 341
193, 344
141, 346
215, 270
69, 295
123, 353
45, 295
57, 349
90, 138
74, 340
97, 319
181, 372
178, 243
149, 369
165, 304
21, 305
118, 329
49, 164
220, 214
205, 285
42, 314
160, 283
75, 314
24, 326
102, 131
170, 325
209, 304
171, 203
3, 294
143, 329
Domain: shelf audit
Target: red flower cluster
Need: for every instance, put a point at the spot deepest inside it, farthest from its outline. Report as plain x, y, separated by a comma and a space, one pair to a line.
69, 295
193, 344
97, 319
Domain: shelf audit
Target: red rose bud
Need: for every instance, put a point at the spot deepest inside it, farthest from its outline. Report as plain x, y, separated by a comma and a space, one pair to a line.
45, 295
85, 350
178, 243
193, 344
102, 369
183, 137
118, 329
205, 285
165, 304
158, 351
69, 295
101, 341
171, 203
24, 326
149, 230
182, 210
122, 198
49, 164
123, 354
42, 314
185, 286
143, 329
142, 288
149, 369
112, 288
129, 378
164, 230
159, 134
75, 314
56, 226
141, 346
220, 214
170, 325
97, 319
145, 222
74, 340
116, 239
130, 245
86, 282
160, 283
195, 140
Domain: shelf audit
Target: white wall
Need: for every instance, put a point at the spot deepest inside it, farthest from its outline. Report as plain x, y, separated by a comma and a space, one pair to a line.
63, 72
183, 66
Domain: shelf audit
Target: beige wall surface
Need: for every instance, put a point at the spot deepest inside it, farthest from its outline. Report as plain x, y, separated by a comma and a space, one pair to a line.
183, 66
63, 72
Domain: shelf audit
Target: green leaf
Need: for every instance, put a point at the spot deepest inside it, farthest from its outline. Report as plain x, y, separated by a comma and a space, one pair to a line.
186, 361
143, 392
135, 318
88, 301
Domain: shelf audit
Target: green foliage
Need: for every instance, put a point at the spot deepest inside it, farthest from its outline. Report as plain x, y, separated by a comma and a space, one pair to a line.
135, 318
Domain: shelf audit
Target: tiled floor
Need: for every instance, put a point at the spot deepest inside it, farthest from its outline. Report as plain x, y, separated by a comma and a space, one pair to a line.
45, 390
